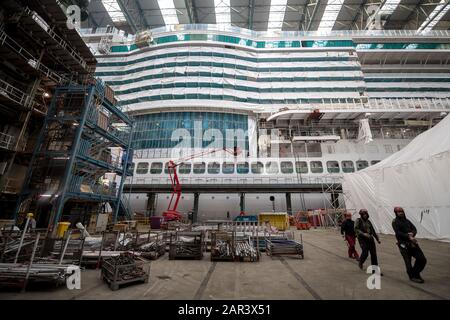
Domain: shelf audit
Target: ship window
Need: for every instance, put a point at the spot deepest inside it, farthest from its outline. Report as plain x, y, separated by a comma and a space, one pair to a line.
301, 166
213, 168
156, 168
374, 162
142, 168
184, 168
272, 167
348, 166
242, 167
199, 167
257, 167
287, 167
316, 166
166, 168
227, 167
361, 164
388, 148
333, 166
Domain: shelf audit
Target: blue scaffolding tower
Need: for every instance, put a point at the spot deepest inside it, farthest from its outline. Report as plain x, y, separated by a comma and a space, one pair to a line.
83, 154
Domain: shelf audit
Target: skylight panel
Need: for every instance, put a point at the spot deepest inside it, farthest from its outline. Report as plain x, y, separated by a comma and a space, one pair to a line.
114, 11
434, 16
276, 15
223, 13
389, 7
330, 15
168, 12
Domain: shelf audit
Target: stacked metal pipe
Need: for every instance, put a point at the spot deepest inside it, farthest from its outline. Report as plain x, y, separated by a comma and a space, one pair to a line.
244, 250
12, 272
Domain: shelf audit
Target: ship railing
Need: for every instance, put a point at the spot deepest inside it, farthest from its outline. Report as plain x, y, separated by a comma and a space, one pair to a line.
336, 179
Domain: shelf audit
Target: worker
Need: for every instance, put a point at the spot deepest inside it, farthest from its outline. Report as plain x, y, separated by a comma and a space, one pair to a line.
348, 232
405, 232
366, 234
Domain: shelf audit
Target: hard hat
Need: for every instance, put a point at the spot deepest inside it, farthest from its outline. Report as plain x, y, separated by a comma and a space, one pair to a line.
30, 215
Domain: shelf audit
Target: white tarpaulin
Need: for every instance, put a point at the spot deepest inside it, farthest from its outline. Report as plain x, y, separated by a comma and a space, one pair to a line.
416, 178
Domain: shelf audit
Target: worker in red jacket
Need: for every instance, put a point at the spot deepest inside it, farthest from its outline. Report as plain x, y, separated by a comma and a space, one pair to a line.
348, 232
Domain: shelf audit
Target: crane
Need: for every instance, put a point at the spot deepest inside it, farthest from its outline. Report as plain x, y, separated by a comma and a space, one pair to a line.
171, 213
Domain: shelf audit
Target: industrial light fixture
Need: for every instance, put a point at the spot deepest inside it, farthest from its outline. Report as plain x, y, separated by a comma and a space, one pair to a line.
46, 95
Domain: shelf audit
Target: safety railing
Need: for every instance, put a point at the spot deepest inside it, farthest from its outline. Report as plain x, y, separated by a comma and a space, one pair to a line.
276, 34
30, 59
6, 141
61, 43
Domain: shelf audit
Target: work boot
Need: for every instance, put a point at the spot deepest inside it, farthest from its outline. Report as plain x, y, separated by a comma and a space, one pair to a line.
417, 280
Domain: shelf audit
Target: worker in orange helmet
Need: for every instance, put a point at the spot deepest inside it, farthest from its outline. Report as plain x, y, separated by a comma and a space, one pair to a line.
348, 232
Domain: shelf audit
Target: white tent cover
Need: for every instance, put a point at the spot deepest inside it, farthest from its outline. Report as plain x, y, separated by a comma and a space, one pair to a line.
416, 178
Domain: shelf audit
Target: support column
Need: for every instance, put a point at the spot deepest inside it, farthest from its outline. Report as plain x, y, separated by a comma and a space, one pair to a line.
195, 211
151, 198
288, 204
242, 203
335, 200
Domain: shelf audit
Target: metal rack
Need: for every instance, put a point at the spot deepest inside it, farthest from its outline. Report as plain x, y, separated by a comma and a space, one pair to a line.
186, 245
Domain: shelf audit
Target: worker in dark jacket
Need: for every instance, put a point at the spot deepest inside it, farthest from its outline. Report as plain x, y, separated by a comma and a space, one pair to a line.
366, 234
348, 232
405, 232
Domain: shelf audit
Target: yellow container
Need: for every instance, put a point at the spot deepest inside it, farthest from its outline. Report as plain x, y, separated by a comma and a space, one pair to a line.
279, 220
62, 228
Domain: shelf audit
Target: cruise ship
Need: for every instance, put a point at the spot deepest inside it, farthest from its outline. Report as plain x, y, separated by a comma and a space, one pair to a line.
304, 108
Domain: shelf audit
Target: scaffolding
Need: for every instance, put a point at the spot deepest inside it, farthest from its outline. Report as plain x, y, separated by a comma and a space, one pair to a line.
83, 153
334, 209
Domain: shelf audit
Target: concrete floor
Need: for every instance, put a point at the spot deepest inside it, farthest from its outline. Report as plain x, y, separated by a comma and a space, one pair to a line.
325, 273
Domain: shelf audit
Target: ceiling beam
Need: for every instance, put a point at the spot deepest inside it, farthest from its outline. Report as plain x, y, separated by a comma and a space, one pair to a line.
251, 12
358, 14
437, 13
188, 5
194, 11
415, 12
313, 15
127, 15
143, 23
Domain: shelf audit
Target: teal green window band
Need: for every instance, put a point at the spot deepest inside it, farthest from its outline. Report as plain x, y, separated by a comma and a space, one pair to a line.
229, 76
222, 97
236, 87
227, 66
223, 55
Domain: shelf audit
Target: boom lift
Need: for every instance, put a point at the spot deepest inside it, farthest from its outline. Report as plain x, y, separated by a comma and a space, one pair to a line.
171, 214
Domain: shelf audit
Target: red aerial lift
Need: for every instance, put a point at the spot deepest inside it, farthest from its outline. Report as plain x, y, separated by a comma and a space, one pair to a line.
171, 214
